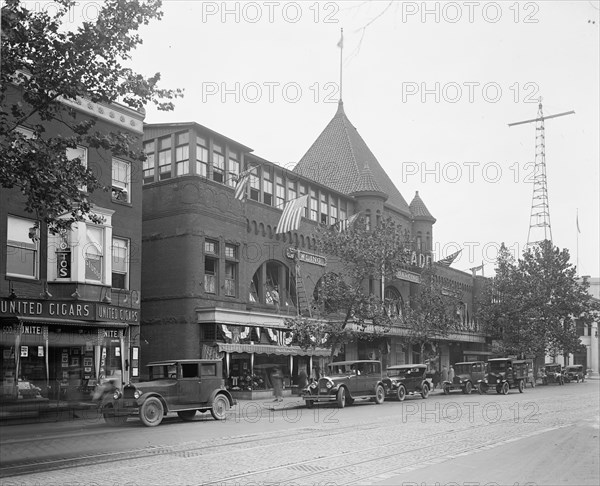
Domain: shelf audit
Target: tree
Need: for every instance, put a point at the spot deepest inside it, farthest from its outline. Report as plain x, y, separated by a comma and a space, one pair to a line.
346, 310
42, 62
532, 304
431, 314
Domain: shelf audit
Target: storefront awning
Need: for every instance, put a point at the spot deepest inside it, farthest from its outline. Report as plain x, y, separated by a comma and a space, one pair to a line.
269, 349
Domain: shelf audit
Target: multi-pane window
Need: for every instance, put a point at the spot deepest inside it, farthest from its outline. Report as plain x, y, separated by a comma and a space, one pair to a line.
120, 263
218, 163
333, 211
80, 153
121, 180
94, 254
164, 158
323, 208
230, 278
201, 157
291, 195
211, 246
148, 164
280, 195
302, 188
314, 205
211, 266
268, 186
343, 211
368, 220
182, 153
255, 184
231, 251
234, 169
21, 250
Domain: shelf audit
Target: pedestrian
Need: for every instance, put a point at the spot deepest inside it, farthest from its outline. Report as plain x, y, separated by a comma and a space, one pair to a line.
277, 381
302, 379
436, 379
444, 374
451, 374
275, 297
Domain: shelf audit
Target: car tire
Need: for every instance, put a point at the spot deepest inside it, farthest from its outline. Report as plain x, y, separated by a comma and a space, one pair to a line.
425, 391
111, 418
521, 386
341, 398
401, 393
505, 388
379, 394
309, 403
446, 390
152, 412
187, 415
481, 389
468, 388
220, 406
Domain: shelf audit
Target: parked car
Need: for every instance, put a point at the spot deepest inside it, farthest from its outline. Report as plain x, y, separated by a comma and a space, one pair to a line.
467, 376
183, 386
553, 374
345, 382
574, 373
406, 379
504, 374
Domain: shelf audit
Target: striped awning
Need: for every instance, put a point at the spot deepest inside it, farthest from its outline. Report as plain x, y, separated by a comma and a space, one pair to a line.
270, 349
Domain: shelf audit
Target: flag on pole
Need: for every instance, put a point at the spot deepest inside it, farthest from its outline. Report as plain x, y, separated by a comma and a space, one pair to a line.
577, 221
346, 224
242, 183
340, 44
292, 214
446, 262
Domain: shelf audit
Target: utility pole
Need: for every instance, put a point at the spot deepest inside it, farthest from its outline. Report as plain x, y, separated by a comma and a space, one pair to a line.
539, 219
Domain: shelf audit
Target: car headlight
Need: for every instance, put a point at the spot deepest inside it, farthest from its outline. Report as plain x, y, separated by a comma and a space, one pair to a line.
116, 395
137, 394
329, 384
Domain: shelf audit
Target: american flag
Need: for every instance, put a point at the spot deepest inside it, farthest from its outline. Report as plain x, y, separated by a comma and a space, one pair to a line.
346, 224
242, 183
292, 214
449, 259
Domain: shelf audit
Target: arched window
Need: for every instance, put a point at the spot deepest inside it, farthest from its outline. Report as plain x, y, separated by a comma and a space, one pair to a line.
393, 302
269, 275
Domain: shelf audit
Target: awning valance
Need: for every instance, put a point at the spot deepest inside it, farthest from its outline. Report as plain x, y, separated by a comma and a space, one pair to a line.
270, 349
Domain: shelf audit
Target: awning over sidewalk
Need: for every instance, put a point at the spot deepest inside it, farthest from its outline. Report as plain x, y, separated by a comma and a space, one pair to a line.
269, 349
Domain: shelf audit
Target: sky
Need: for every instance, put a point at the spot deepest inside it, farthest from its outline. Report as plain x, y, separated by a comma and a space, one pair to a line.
431, 88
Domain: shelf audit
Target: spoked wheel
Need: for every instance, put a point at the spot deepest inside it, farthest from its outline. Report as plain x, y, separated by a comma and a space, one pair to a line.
505, 388
341, 398
112, 418
379, 395
468, 388
219, 407
309, 403
521, 386
446, 390
425, 391
186, 415
151, 412
401, 393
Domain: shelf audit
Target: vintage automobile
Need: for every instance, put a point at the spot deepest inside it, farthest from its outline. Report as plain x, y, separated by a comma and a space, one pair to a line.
574, 373
183, 386
345, 382
406, 379
467, 376
504, 374
553, 374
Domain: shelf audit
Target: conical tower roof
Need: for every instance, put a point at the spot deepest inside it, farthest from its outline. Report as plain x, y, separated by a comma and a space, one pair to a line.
419, 210
367, 183
337, 158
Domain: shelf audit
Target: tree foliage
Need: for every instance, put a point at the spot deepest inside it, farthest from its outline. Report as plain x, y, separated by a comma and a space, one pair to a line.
41, 62
431, 314
345, 308
532, 304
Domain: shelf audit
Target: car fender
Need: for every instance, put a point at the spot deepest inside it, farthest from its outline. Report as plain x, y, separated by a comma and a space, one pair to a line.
222, 391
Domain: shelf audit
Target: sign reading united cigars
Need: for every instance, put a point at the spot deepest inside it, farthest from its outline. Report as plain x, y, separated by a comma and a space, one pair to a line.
84, 311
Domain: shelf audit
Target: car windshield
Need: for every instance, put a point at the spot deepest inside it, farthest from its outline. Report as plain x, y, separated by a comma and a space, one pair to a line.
498, 365
553, 369
462, 369
397, 372
573, 368
160, 372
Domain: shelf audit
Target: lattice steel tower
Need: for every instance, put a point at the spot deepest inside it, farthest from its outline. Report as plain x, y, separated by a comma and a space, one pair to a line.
539, 219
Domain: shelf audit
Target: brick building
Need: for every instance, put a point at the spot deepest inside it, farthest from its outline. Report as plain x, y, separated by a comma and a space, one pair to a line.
70, 304
212, 261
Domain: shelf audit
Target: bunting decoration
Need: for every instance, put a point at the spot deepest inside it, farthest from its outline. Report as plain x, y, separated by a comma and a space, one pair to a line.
292, 214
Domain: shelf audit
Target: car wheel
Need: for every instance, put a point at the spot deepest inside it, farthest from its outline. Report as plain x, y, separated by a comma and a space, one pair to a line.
468, 388
186, 415
309, 403
401, 393
446, 390
151, 412
481, 389
425, 391
521, 386
505, 388
341, 398
219, 407
111, 418
379, 395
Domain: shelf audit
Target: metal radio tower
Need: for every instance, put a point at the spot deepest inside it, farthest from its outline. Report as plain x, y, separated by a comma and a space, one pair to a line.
539, 219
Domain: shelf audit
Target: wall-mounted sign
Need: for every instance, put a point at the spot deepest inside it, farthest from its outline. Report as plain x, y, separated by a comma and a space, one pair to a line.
306, 257
408, 276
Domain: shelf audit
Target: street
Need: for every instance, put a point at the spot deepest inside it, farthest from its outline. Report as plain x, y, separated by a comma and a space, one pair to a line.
545, 436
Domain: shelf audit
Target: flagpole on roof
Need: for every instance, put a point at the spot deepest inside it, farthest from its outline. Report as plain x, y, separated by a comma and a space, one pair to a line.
340, 44
577, 250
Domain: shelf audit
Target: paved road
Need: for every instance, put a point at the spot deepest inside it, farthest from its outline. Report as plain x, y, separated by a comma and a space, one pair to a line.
547, 436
